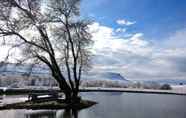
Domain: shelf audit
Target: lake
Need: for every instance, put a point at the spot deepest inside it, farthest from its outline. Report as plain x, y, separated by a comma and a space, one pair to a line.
112, 105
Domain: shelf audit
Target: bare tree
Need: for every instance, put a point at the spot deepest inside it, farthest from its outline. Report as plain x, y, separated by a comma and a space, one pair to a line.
51, 33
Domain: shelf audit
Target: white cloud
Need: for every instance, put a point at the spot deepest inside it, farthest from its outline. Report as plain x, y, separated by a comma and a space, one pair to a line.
178, 40
106, 39
137, 58
121, 30
125, 22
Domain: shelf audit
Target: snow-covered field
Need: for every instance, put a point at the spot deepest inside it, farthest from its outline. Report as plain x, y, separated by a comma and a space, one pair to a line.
13, 99
176, 90
179, 88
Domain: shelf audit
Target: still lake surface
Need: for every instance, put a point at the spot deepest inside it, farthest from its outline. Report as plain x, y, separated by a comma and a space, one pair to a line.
113, 105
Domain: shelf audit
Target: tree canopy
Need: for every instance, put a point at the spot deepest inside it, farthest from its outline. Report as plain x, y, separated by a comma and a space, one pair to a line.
48, 32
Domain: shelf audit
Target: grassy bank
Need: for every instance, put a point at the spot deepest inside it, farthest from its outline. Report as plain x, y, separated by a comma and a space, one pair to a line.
55, 104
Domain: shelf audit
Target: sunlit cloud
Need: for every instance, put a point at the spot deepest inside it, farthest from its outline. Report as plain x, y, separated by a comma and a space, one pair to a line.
121, 30
124, 22
136, 57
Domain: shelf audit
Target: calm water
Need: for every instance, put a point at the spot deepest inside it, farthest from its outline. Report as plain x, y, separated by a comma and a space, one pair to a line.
114, 105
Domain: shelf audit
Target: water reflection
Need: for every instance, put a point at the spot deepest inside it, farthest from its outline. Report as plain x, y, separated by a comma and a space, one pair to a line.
68, 114
114, 105
53, 114
41, 114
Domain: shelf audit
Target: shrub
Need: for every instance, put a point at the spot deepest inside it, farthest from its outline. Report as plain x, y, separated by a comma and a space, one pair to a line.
166, 87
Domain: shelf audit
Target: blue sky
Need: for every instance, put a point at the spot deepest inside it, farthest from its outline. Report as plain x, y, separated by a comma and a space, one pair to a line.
141, 39
155, 18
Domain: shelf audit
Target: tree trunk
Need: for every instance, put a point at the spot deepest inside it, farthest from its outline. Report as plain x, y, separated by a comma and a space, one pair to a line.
68, 97
66, 91
75, 97
72, 97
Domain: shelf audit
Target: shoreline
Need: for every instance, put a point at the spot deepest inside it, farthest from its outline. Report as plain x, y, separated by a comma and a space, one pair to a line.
52, 105
177, 90
135, 90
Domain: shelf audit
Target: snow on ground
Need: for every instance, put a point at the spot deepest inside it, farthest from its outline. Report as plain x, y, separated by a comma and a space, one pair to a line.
13, 99
139, 90
179, 88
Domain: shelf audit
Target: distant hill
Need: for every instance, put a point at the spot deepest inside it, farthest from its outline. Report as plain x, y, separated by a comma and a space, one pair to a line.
105, 76
167, 81
12, 69
112, 76
172, 81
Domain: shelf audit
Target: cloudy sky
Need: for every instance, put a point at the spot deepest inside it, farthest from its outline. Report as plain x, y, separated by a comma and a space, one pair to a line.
141, 39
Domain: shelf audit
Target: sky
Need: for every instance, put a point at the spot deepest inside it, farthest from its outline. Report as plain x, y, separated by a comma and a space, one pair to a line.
141, 39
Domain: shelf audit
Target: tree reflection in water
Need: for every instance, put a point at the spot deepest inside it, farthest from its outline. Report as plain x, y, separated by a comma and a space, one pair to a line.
69, 114
53, 114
